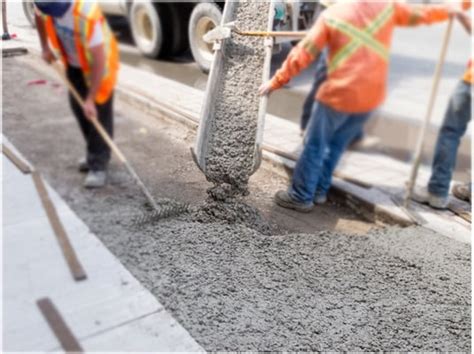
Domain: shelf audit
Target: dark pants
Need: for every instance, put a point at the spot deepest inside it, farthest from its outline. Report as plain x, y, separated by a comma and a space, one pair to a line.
97, 151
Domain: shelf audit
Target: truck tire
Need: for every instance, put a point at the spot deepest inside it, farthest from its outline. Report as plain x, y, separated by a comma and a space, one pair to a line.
147, 28
29, 10
175, 18
205, 17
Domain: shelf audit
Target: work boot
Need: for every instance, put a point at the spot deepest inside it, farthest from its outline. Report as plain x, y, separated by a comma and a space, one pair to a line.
95, 179
283, 199
320, 199
462, 192
423, 196
82, 165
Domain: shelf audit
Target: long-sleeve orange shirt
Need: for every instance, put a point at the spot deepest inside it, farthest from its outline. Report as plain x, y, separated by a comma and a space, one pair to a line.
358, 35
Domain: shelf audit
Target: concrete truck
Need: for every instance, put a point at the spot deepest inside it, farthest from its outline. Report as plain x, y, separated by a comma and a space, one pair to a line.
168, 28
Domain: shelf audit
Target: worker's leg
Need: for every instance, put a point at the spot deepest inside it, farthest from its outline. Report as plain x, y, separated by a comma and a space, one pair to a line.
98, 150
310, 101
308, 168
454, 126
343, 135
76, 78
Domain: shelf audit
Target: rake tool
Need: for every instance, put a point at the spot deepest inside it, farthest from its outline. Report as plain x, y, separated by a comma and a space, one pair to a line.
103, 133
434, 91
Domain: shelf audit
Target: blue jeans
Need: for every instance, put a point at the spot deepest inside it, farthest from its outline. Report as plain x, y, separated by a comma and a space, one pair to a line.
320, 77
329, 133
454, 126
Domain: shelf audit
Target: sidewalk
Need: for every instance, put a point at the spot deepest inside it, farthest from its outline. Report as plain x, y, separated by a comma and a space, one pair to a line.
108, 311
371, 183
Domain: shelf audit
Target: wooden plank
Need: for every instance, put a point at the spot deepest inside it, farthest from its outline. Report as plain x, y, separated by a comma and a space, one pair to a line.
16, 160
294, 157
75, 266
12, 52
463, 214
59, 326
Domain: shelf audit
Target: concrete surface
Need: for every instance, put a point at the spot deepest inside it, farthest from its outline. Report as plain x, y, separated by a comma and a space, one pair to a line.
229, 286
98, 310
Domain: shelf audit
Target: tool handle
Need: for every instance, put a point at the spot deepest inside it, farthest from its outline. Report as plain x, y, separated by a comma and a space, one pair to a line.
429, 112
272, 34
103, 133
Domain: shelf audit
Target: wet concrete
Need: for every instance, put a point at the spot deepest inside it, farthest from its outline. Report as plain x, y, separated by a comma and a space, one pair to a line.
232, 137
232, 287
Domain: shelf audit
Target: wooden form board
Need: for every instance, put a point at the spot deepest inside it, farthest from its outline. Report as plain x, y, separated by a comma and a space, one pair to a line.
59, 327
75, 266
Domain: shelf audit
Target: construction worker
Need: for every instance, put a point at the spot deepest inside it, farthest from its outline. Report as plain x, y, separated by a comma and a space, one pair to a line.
358, 36
456, 119
79, 34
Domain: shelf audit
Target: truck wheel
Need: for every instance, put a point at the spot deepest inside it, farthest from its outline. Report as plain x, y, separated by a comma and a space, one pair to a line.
146, 26
29, 10
205, 17
175, 20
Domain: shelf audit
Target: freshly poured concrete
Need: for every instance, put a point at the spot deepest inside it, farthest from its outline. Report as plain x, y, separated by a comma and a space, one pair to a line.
234, 288
233, 132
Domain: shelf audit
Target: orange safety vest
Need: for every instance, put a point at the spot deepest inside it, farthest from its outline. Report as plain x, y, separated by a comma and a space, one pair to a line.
358, 36
86, 15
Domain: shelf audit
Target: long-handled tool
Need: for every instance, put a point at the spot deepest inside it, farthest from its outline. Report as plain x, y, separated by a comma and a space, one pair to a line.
225, 31
103, 133
422, 136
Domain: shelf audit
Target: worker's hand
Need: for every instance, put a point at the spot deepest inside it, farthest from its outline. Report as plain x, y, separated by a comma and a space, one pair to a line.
89, 108
265, 89
48, 56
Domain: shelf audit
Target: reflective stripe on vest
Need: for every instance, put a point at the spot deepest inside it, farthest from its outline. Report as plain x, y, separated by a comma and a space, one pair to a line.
80, 40
85, 11
360, 37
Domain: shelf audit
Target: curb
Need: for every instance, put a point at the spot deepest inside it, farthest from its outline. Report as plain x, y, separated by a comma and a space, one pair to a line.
352, 192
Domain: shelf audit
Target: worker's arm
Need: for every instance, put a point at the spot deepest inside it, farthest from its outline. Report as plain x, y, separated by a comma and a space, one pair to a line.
97, 50
46, 52
414, 15
300, 57
465, 21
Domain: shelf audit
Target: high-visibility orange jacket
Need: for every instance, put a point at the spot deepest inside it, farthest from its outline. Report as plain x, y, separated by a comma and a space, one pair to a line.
358, 35
86, 15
